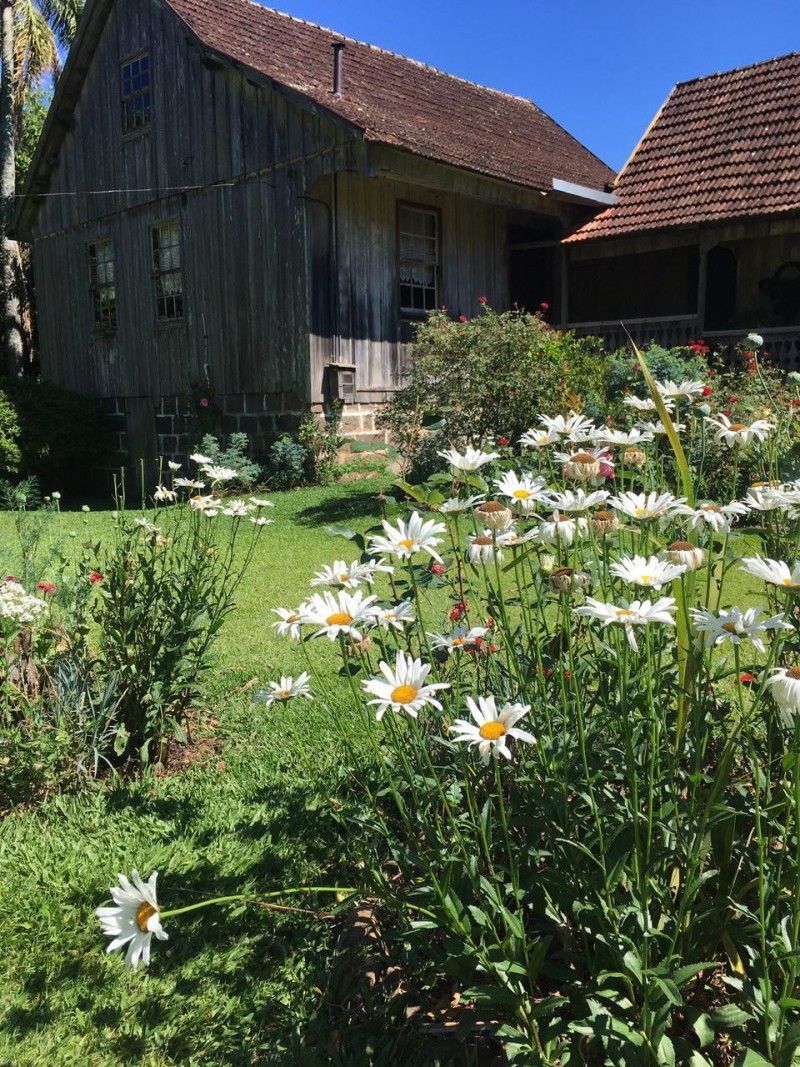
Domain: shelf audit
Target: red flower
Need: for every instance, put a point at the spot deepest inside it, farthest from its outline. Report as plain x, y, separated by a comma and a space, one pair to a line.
463, 318
95, 577
746, 678
46, 587
699, 346
707, 390
203, 401
795, 404
544, 306
635, 366
438, 568
483, 299
727, 412
220, 766
502, 441
11, 578
547, 672
489, 622
567, 676
731, 399
460, 609
610, 420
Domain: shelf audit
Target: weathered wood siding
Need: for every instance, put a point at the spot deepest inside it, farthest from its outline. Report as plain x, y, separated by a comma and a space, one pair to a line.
229, 159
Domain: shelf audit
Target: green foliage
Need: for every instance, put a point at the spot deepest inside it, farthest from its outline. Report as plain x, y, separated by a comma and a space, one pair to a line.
50, 433
322, 442
34, 112
487, 378
286, 466
233, 454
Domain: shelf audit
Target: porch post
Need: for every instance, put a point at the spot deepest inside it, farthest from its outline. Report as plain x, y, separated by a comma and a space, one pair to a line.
702, 275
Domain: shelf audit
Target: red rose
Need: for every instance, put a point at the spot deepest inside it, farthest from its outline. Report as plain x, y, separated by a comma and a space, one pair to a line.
46, 587
437, 568
502, 441
483, 299
635, 366
544, 306
459, 610
746, 678
707, 390
727, 412
463, 318
95, 577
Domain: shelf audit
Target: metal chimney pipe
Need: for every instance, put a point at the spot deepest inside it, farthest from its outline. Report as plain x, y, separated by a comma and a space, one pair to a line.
338, 79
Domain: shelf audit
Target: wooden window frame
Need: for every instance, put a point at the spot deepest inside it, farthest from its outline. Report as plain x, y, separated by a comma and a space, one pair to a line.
136, 96
413, 313
103, 288
169, 305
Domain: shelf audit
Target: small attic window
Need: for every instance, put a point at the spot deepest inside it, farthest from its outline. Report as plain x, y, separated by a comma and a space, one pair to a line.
136, 96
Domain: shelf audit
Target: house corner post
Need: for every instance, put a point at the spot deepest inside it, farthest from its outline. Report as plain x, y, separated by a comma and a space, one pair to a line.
13, 352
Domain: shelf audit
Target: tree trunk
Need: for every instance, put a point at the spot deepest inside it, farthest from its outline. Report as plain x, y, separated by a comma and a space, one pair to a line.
12, 322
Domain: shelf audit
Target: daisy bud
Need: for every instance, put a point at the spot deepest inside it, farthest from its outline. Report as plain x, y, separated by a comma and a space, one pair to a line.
682, 552
634, 457
582, 466
561, 580
604, 523
494, 515
547, 564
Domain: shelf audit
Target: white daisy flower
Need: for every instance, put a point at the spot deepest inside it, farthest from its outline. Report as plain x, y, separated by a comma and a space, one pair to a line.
147, 526
562, 530
575, 500
511, 538
658, 428
484, 548
604, 523
187, 483
397, 616
288, 624
688, 555
491, 728
200, 459
523, 492
134, 918
204, 503
261, 521
785, 685
349, 575
739, 433
237, 509
470, 460
493, 515
259, 502
735, 625
286, 689
575, 428
539, 438
650, 573
460, 639
173, 466
457, 505
347, 614
403, 688
647, 506
718, 517
646, 403
219, 474
409, 537
626, 438
637, 613
685, 391
755, 340
161, 493
765, 498
774, 571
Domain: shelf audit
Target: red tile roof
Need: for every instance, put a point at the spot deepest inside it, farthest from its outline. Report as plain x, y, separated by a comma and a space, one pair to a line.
726, 146
397, 101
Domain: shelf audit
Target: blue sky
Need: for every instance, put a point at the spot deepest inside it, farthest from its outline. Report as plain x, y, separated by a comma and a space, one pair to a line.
600, 69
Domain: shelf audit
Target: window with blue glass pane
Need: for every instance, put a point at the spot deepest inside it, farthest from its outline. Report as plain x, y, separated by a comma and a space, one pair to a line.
136, 93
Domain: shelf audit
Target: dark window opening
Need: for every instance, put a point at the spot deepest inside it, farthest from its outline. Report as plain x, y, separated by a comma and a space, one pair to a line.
101, 284
136, 94
720, 308
418, 255
167, 270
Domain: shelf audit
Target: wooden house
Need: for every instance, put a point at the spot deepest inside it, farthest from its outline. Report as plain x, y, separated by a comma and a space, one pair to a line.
704, 240
226, 198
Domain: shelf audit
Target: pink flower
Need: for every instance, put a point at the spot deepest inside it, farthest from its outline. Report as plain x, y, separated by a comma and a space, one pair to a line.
483, 300
46, 587
463, 318
438, 568
544, 306
95, 577
11, 578
203, 401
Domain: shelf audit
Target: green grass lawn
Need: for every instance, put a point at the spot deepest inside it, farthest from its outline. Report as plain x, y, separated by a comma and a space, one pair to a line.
255, 814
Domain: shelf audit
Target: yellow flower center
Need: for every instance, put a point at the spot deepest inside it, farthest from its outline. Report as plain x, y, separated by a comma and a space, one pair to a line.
711, 507
646, 578
521, 494
730, 627
457, 641
144, 913
344, 578
483, 540
407, 542
339, 618
639, 512
623, 613
738, 426
787, 581
404, 694
282, 694
292, 618
492, 731
793, 673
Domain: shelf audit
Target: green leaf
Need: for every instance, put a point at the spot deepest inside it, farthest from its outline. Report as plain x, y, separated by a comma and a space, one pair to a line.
751, 1058
341, 531
728, 1016
703, 1028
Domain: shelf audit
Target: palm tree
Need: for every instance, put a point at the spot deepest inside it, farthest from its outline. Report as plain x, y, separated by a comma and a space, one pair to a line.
32, 35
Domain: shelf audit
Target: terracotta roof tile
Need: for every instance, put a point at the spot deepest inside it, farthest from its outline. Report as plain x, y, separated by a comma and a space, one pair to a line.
398, 101
723, 147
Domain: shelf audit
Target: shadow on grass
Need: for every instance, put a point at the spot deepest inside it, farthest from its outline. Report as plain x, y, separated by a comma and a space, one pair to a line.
339, 509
